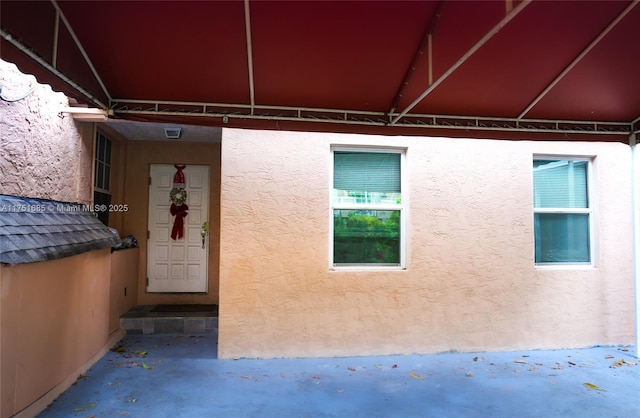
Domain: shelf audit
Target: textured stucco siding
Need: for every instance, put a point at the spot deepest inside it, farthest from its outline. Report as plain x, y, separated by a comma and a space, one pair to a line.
470, 282
42, 154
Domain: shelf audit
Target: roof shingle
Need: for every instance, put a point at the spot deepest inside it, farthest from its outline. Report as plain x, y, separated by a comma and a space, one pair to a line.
34, 230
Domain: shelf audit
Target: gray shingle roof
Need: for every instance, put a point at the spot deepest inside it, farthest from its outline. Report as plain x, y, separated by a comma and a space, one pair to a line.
39, 230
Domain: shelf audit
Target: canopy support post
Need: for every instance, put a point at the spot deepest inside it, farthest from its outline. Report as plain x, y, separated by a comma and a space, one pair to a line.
635, 207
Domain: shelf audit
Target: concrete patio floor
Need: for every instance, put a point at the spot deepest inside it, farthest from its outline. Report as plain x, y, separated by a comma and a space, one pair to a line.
156, 376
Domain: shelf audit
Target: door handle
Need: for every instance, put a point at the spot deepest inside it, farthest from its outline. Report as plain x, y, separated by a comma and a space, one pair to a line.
204, 231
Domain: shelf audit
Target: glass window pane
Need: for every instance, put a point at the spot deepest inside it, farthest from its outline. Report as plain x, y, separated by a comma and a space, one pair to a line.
101, 147
366, 237
107, 178
560, 184
562, 238
107, 152
100, 175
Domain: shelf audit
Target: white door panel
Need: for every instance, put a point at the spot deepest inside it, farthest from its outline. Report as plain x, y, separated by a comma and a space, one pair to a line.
177, 265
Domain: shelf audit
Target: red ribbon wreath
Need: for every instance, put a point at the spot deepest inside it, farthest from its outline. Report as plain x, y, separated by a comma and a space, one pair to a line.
179, 211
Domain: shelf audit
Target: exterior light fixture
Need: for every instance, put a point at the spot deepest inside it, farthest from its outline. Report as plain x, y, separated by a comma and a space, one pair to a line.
172, 133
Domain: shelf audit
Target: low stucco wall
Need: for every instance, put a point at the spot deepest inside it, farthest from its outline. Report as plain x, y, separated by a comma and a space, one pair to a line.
54, 321
42, 154
470, 282
123, 285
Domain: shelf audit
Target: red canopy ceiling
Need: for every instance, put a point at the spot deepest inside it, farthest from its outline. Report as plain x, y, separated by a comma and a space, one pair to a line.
505, 69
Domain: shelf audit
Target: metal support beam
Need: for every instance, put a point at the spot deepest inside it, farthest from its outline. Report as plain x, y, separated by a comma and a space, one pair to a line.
635, 208
7, 37
247, 25
355, 117
80, 48
464, 58
426, 43
579, 58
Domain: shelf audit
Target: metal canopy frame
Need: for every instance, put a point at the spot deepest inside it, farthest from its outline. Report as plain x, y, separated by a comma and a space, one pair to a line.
403, 119
227, 111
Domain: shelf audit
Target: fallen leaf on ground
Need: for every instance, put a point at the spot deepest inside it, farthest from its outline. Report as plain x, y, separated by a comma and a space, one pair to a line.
593, 387
520, 362
146, 366
351, 368
469, 374
395, 366
119, 349
415, 375
609, 356
378, 366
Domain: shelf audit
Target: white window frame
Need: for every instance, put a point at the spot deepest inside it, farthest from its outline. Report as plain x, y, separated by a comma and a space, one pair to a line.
402, 207
589, 211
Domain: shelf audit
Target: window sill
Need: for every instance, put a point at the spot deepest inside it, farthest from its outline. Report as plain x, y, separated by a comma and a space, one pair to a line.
367, 268
562, 266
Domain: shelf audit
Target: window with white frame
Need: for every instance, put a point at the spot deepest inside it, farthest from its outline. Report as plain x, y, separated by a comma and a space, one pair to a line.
367, 208
562, 211
102, 177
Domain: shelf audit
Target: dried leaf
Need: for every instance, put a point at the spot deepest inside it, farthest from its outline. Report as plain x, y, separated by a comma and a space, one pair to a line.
609, 356
395, 366
520, 362
351, 368
415, 375
593, 387
141, 353
146, 366
571, 363
119, 349
617, 363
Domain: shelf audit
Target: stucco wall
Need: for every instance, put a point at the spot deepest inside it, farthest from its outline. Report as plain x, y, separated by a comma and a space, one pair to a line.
470, 282
42, 154
54, 319
140, 154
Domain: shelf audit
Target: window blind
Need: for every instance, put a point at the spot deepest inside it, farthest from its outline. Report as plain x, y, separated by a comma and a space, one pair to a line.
560, 184
367, 171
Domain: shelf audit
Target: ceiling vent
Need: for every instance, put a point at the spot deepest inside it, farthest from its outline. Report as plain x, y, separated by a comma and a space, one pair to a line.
173, 133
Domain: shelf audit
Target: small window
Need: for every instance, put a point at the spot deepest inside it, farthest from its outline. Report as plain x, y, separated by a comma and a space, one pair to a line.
102, 178
367, 209
562, 211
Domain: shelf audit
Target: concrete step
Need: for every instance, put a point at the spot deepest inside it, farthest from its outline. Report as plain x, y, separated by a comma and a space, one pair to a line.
171, 319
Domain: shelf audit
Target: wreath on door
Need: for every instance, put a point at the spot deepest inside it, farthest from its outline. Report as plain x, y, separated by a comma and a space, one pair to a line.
179, 208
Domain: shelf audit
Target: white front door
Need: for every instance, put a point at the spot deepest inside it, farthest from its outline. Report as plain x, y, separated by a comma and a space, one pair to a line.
177, 265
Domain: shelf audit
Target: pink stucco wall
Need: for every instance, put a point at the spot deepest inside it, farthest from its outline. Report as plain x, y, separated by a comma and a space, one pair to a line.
470, 282
42, 154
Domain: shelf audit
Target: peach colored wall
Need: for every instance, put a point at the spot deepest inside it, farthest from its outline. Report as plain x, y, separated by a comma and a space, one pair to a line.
54, 317
470, 282
123, 294
41, 154
140, 155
